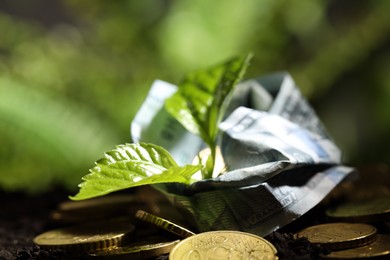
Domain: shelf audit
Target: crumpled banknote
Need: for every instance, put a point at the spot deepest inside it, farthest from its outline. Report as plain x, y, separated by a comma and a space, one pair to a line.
280, 161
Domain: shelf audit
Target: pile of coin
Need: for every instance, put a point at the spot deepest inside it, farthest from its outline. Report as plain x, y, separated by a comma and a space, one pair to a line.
110, 228
360, 230
89, 236
144, 226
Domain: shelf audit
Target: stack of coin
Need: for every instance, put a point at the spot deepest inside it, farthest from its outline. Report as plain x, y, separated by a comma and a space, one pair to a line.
71, 212
113, 205
337, 236
357, 235
149, 242
113, 237
118, 239
88, 237
348, 240
143, 248
367, 210
379, 249
143, 234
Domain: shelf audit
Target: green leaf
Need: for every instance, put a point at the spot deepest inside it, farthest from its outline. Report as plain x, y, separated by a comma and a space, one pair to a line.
203, 96
132, 165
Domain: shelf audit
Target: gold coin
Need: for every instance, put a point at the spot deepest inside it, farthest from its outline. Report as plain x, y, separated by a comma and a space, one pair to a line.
111, 201
164, 224
104, 207
143, 249
338, 236
223, 245
368, 210
87, 237
379, 248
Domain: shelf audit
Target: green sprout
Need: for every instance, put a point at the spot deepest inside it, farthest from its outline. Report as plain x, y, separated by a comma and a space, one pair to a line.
199, 105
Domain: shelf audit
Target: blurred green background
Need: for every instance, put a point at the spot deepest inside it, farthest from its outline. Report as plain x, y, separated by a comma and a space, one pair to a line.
74, 72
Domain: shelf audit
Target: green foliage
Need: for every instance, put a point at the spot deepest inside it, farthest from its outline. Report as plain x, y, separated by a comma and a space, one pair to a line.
133, 165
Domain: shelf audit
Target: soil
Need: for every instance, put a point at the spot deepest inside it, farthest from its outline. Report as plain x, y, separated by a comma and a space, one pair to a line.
23, 217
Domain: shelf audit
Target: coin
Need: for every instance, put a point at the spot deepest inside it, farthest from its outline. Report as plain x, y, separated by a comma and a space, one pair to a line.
164, 224
108, 206
337, 236
223, 245
111, 201
87, 237
67, 218
146, 248
368, 210
379, 248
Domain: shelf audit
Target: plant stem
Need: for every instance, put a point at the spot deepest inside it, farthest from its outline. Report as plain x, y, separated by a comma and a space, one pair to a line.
207, 173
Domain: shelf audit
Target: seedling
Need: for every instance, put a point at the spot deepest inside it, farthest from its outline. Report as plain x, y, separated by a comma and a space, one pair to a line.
199, 105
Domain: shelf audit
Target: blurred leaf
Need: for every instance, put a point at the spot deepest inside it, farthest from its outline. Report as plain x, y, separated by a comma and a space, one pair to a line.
65, 134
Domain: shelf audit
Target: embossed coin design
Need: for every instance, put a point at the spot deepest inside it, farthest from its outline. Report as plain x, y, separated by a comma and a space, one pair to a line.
87, 237
223, 245
164, 224
143, 249
337, 236
368, 210
379, 248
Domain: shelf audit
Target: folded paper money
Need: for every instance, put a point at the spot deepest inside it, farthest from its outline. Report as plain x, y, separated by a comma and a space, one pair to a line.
280, 160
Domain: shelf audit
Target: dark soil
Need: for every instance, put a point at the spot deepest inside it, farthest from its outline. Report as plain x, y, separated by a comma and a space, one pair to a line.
22, 217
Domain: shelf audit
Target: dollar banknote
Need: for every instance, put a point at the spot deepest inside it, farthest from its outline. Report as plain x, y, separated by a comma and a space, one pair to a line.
280, 159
